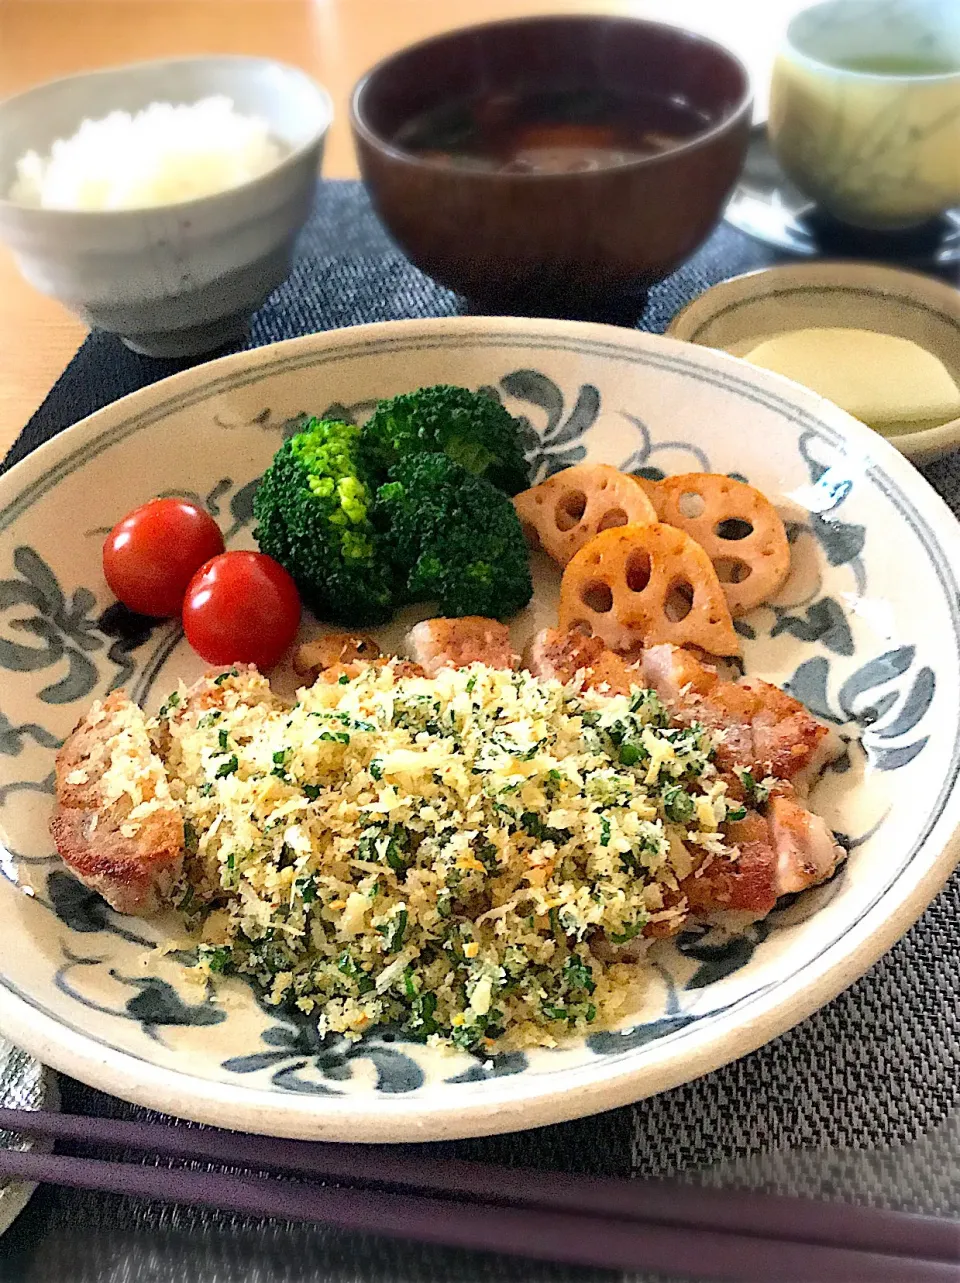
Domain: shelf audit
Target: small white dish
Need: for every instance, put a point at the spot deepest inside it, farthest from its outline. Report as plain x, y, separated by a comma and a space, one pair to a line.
736, 315
180, 279
866, 631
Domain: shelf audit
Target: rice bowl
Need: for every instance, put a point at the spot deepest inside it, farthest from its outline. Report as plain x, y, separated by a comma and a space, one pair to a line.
158, 156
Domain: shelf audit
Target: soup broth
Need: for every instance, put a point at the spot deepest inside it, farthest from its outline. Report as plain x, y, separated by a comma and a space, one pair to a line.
550, 132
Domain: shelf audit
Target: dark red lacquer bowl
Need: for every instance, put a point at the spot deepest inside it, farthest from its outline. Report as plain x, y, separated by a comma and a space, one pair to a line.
573, 244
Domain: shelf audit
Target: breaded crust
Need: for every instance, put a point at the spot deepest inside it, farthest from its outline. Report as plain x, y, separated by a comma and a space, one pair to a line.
116, 825
401, 668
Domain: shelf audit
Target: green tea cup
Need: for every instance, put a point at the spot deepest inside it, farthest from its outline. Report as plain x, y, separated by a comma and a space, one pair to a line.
865, 109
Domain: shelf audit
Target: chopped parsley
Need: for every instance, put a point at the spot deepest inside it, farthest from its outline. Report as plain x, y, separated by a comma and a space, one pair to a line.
215, 959
394, 931
578, 975
422, 1010
757, 791
554, 1012
306, 887
534, 825
487, 855
628, 933
678, 805
335, 737
172, 702
349, 968
386, 844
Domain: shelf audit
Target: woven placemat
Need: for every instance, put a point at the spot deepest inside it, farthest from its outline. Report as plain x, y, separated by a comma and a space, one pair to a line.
859, 1102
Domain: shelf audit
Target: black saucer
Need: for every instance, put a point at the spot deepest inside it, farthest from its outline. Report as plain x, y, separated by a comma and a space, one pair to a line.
768, 207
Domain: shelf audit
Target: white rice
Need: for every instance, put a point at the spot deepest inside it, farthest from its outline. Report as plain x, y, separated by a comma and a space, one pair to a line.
159, 156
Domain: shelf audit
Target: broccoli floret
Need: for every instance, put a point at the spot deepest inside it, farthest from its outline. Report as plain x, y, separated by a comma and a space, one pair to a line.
471, 427
455, 539
312, 509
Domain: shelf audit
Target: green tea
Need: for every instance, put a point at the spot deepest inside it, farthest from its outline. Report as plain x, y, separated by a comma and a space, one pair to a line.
895, 64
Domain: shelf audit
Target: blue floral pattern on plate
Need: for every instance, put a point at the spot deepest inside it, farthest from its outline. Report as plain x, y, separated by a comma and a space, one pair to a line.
832, 637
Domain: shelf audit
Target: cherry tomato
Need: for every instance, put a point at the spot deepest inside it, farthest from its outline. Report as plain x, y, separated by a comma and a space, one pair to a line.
151, 555
241, 608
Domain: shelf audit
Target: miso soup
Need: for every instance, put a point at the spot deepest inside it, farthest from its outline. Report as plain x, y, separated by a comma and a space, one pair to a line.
550, 132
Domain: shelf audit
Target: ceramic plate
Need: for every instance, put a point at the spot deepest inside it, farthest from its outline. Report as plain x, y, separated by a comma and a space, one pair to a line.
867, 632
738, 314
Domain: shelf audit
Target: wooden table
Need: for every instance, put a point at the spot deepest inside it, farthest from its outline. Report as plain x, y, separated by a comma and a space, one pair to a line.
334, 40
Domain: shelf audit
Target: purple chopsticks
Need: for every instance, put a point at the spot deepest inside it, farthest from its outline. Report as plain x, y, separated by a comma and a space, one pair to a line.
608, 1223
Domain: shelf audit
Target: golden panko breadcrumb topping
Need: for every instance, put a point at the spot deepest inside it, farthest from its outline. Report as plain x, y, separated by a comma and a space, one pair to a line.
443, 853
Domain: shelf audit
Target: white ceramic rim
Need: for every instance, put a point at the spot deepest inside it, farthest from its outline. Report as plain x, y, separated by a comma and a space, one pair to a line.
324, 120
871, 278
509, 1103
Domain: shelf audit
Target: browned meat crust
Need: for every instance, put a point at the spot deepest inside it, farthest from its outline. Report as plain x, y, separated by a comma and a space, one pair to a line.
331, 650
458, 643
747, 883
560, 656
133, 861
